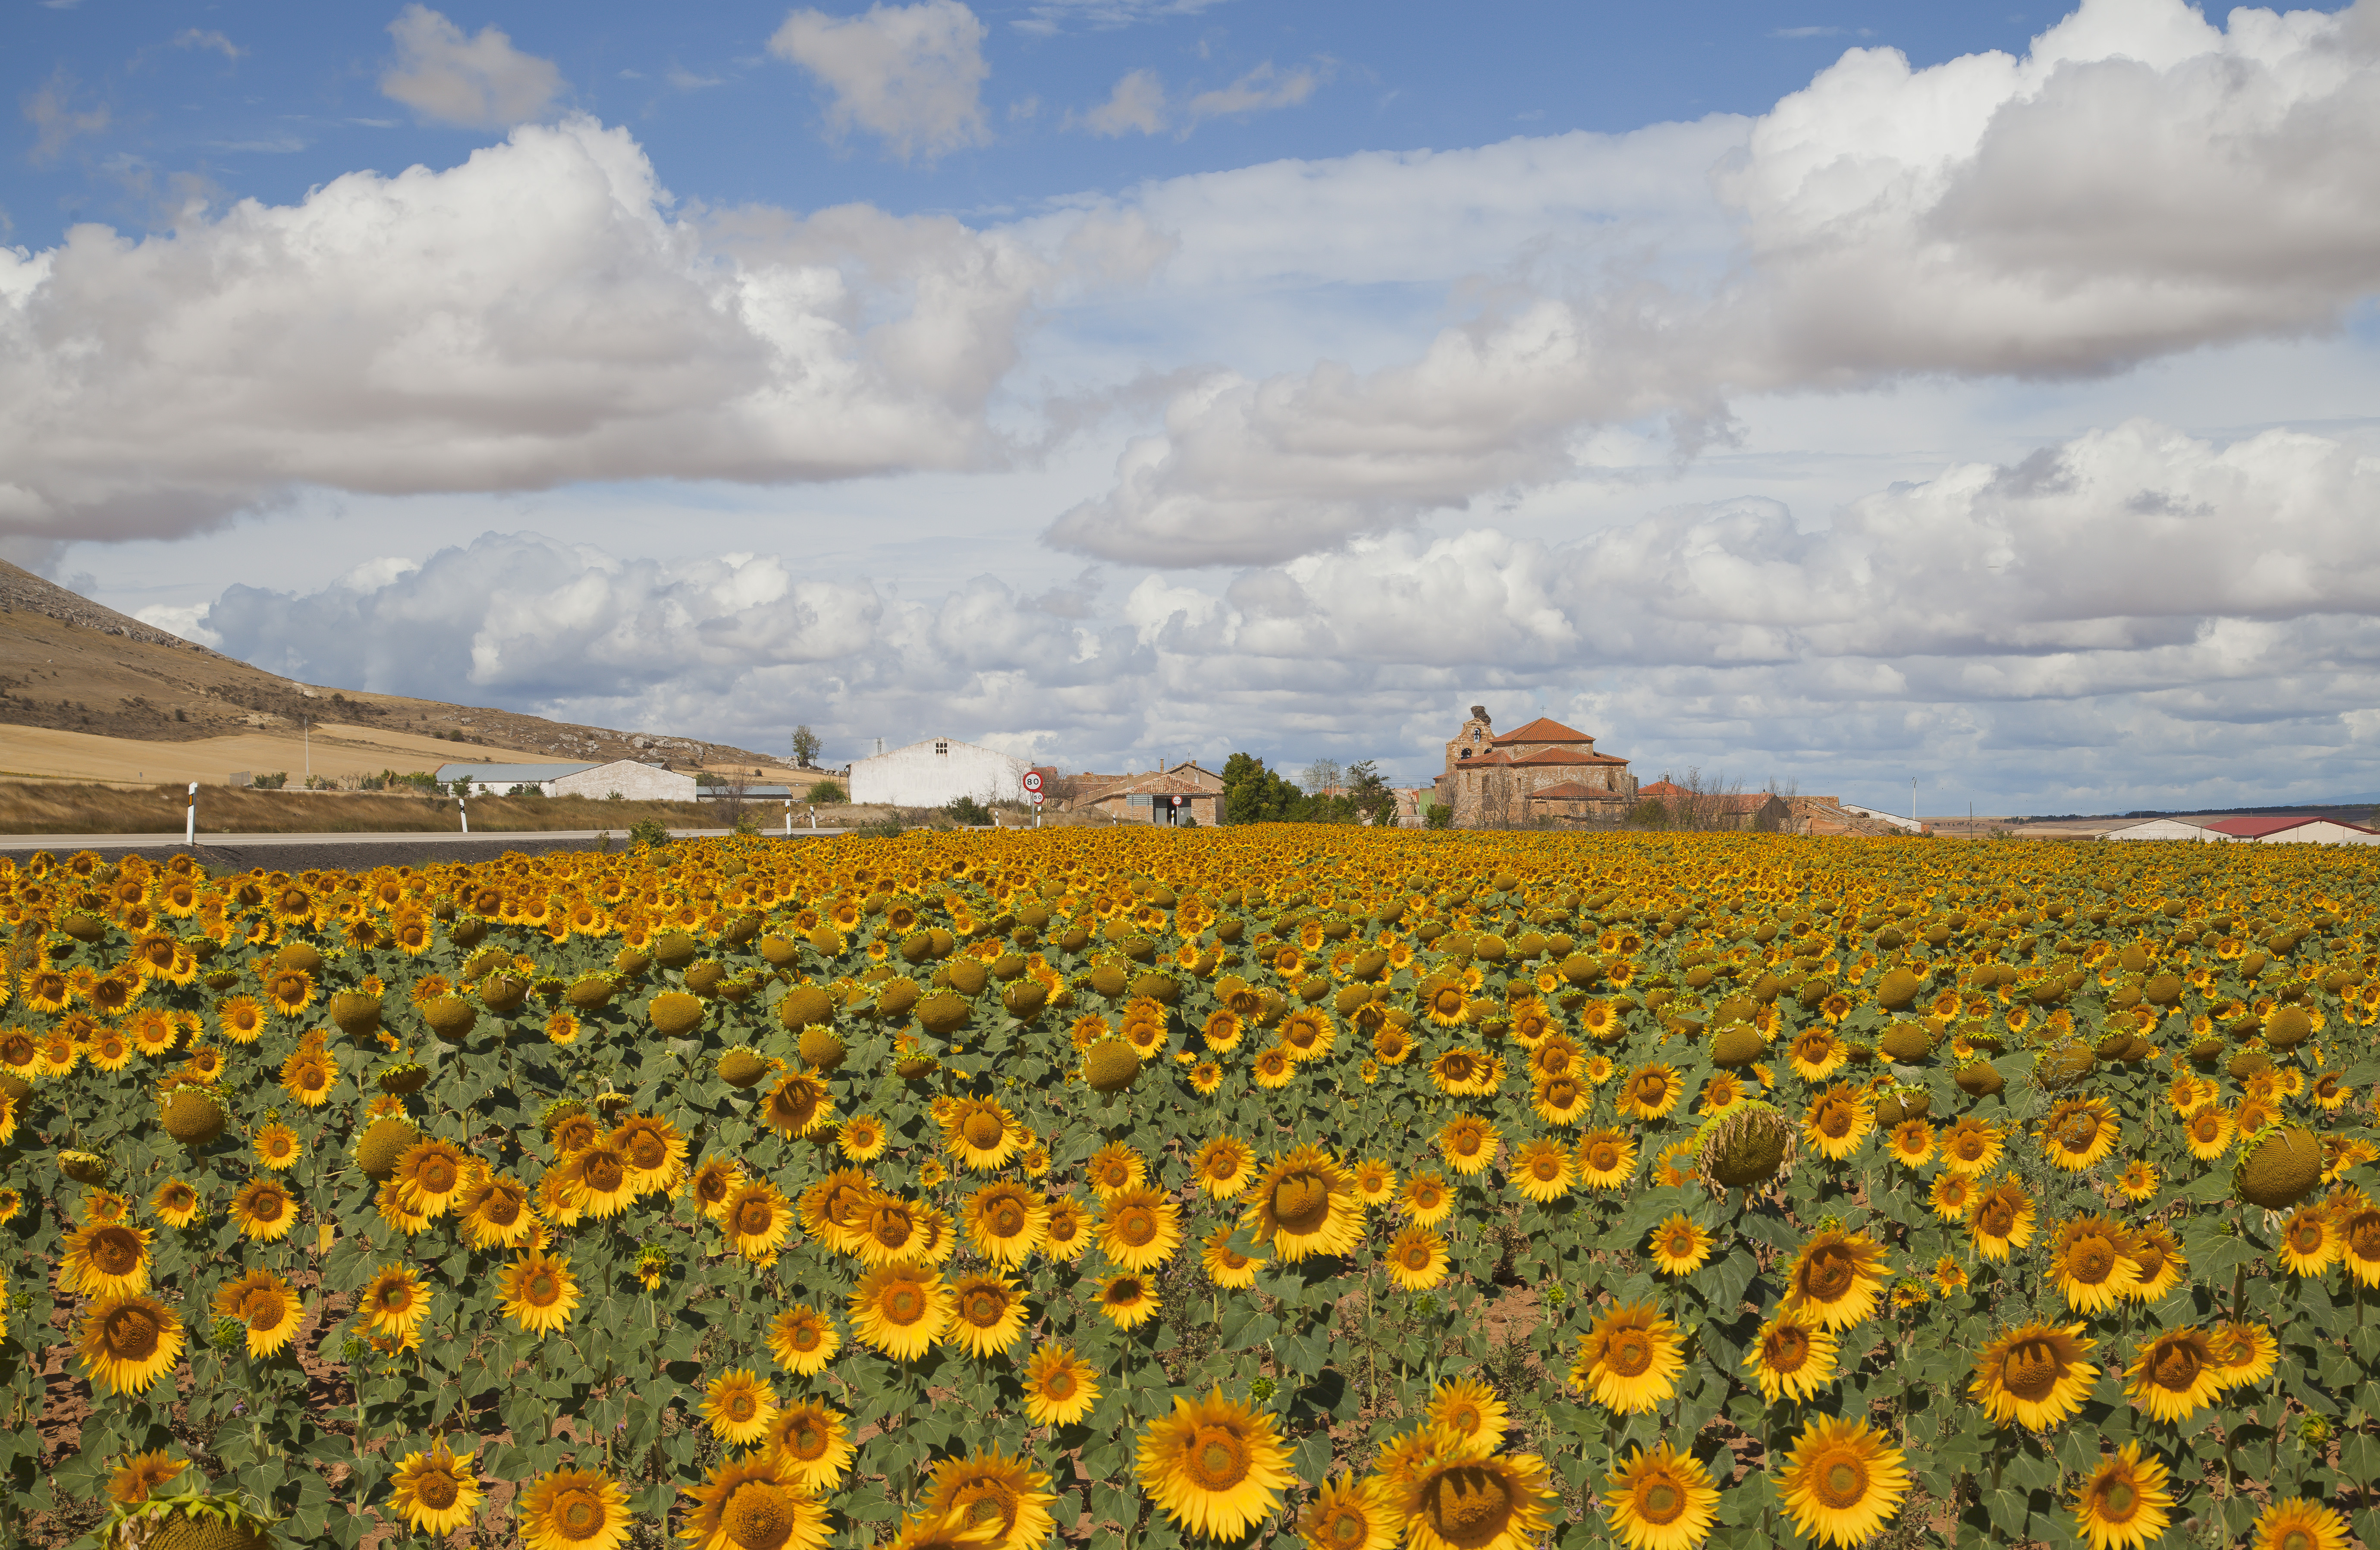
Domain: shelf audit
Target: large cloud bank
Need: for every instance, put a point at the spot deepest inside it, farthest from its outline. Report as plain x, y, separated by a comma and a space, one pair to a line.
2160, 598
2141, 182
535, 316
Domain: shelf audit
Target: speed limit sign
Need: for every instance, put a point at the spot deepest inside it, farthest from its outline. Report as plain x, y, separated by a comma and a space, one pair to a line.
1033, 783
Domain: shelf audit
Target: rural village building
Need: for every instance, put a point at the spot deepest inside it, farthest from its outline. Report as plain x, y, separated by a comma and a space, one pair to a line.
936, 772
1542, 770
1149, 799
2169, 828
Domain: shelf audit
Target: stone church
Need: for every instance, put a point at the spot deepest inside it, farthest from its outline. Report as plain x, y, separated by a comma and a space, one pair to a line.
1542, 771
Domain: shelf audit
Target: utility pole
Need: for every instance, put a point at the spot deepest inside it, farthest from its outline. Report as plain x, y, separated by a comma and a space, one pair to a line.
1913, 798
307, 723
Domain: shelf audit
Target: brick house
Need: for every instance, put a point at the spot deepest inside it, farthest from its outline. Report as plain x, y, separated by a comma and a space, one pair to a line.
1149, 799
1542, 770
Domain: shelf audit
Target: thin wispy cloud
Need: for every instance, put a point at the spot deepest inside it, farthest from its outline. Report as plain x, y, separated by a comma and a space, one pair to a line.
191, 37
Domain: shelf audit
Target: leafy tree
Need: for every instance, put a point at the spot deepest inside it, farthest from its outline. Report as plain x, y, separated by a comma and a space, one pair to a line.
1254, 794
1370, 794
807, 745
824, 791
1321, 776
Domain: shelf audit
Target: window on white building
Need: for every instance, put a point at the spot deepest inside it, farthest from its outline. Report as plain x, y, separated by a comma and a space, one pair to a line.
941, 748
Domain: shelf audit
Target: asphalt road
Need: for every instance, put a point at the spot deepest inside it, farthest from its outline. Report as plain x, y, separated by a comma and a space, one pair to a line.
352, 852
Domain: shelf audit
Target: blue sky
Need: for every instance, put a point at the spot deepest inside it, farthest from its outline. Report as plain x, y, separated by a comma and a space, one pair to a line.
1826, 394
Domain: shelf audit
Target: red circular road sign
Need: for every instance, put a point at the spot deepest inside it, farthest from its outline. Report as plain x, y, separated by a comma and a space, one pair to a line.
1033, 780
1036, 796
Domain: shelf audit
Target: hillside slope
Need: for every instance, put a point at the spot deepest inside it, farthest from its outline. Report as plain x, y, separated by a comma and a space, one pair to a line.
71, 665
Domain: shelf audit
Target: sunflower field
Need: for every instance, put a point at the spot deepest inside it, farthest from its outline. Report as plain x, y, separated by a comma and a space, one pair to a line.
1249, 1186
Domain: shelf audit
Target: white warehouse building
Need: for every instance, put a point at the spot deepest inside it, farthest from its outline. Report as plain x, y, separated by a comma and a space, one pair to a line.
937, 771
634, 781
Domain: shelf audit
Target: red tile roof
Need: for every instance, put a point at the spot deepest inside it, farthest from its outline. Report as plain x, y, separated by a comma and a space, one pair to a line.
1543, 730
1661, 788
1571, 791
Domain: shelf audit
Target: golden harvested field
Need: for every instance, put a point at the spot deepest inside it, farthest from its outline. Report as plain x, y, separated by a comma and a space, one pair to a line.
1251, 1185
339, 750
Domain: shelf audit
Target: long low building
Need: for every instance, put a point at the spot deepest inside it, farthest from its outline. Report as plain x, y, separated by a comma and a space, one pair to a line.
2170, 828
630, 779
2296, 831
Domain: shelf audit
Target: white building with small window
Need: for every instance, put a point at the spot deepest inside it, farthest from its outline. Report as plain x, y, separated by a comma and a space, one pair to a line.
936, 772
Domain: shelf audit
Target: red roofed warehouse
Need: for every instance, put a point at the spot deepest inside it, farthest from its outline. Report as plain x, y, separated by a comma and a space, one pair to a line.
1541, 771
2296, 831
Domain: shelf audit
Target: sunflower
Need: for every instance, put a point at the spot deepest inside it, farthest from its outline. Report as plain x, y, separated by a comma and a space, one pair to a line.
2311, 1242
264, 1306
1215, 1467
862, 1139
107, 1258
438, 1492
1679, 1245
264, 1210
980, 1133
1467, 1411
497, 1213
137, 1479
1971, 1146
596, 1178
2157, 1256
1650, 1092
655, 1153
2123, 1503
803, 1340
1068, 1233
2359, 1232
1842, 1482
1225, 1265
1463, 1073
1306, 1204
2001, 1218
2093, 1261
1911, 1143
2034, 1375
1349, 1513
1836, 1278
986, 1314
2174, 1374
430, 1174
1273, 1069
537, 1292
799, 1105
1059, 1388
1308, 1035
1001, 1500
1468, 1143
1223, 1167
2299, 1523
1222, 1030
1563, 1099
1499, 1502
1114, 1169
1817, 1055
1444, 1001
1792, 1357
739, 1407
1629, 1359
1952, 1196
1139, 1228
900, 1310
175, 1204
1661, 1500
756, 1218
2243, 1353
2138, 1181
573, 1510
242, 1018
2207, 1132
811, 1445
1128, 1301
1006, 1221
1540, 1169
129, 1342
1426, 1200
2078, 1133
754, 1501
1607, 1159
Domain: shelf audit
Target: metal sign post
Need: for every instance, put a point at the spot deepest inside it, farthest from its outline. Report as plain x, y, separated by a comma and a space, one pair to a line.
1032, 784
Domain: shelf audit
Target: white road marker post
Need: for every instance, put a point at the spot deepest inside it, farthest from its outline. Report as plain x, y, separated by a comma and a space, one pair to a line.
191, 818
789, 817
462, 805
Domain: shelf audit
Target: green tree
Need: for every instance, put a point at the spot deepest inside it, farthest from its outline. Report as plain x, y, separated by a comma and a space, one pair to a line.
1369, 793
1254, 794
807, 747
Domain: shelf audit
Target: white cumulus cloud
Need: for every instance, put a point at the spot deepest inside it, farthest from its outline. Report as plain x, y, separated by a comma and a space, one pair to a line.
479, 81
911, 75
534, 316
2140, 183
